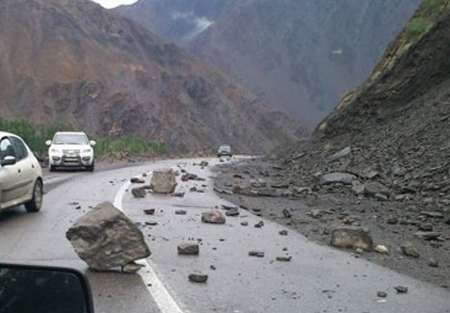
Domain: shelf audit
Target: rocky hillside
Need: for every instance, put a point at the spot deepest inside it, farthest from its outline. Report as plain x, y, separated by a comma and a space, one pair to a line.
395, 127
73, 61
301, 56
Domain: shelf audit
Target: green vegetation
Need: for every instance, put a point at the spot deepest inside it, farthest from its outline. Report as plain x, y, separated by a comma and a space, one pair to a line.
426, 16
35, 136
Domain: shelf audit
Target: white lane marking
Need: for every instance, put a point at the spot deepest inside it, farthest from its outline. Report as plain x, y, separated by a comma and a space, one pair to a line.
157, 290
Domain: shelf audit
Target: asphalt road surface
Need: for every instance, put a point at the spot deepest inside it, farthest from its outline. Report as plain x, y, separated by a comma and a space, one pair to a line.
319, 279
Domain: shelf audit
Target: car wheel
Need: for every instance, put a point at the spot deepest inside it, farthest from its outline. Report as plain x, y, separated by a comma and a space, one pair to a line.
35, 204
91, 168
51, 168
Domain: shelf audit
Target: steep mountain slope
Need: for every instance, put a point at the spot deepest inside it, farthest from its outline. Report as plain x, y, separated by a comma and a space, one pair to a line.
177, 20
73, 61
397, 122
301, 56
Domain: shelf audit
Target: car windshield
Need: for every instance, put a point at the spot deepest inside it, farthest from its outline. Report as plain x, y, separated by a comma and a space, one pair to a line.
70, 139
225, 148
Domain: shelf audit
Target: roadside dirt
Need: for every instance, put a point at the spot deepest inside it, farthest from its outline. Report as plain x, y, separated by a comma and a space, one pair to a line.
316, 213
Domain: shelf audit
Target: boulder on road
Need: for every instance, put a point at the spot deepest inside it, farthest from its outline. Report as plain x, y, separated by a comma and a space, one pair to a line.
106, 239
213, 217
163, 181
352, 238
333, 178
188, 249
138, 192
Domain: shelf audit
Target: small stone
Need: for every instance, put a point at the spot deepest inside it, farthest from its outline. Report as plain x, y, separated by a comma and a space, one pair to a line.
283, 232
381, 249
151, 223
392, 220
316, 213
287, 213
410, 250
427, 235
284, 258
149, 211
332, 178
138, 192
232, 212
132, 267
180, 212
198, 278
213, 217
212, 267
179, 194
426, 227
188, 249
258, 254
260, 224
137, 180
382, 294
352, 238
401, 289
433, 263
244, 223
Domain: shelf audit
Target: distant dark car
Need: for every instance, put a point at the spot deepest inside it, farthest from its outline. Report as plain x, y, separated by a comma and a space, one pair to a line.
224, 150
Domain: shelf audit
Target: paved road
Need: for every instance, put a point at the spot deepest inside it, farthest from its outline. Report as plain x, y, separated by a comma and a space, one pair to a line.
318, 279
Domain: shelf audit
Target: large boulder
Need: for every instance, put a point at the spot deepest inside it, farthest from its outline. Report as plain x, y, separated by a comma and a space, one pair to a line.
163, 181
352, 238
106, 239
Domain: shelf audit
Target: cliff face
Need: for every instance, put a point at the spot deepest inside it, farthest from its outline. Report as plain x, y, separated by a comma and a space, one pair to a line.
76, 62
301, 56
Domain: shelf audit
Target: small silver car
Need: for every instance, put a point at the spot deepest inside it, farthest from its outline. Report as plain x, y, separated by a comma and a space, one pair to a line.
224, 150
20, 174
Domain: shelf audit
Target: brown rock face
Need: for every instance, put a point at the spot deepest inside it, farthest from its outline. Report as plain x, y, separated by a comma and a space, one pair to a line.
76, 62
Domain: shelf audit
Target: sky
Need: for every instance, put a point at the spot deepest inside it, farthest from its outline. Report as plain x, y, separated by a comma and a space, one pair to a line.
113, 3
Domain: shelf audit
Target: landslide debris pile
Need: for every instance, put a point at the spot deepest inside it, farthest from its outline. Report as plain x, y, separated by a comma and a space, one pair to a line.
390, 138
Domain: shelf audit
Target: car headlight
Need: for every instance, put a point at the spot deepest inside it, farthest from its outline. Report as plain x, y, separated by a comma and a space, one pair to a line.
87, 151
55, 151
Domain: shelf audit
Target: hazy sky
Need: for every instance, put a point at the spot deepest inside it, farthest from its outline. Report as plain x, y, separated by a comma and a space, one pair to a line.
113, 3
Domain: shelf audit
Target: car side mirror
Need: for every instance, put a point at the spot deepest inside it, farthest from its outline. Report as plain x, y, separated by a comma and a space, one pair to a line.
8, 161
35, 289
48, 143
92, 143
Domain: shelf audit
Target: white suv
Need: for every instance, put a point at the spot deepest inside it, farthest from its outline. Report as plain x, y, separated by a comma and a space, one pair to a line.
71, 150
20, 174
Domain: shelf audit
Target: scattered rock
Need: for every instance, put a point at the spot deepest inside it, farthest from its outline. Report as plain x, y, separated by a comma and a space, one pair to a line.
392, 220
283, 232
358, 188
427, 235
213, 217
138, 192
106, 239
188, 249
180, 212
149, 211
258, 254
401, 289
132, 268
427, 227
382, 294
232, 212
204, 163
163, 181
381, 249
198, 278
432, 214
377, 190
333, 178
137, 180
244, 223
287, 213
189, 176
341, 154
433, 263
179, 194
352, 238
151, 223
284, 258
410, 250
316, 213
260, 224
